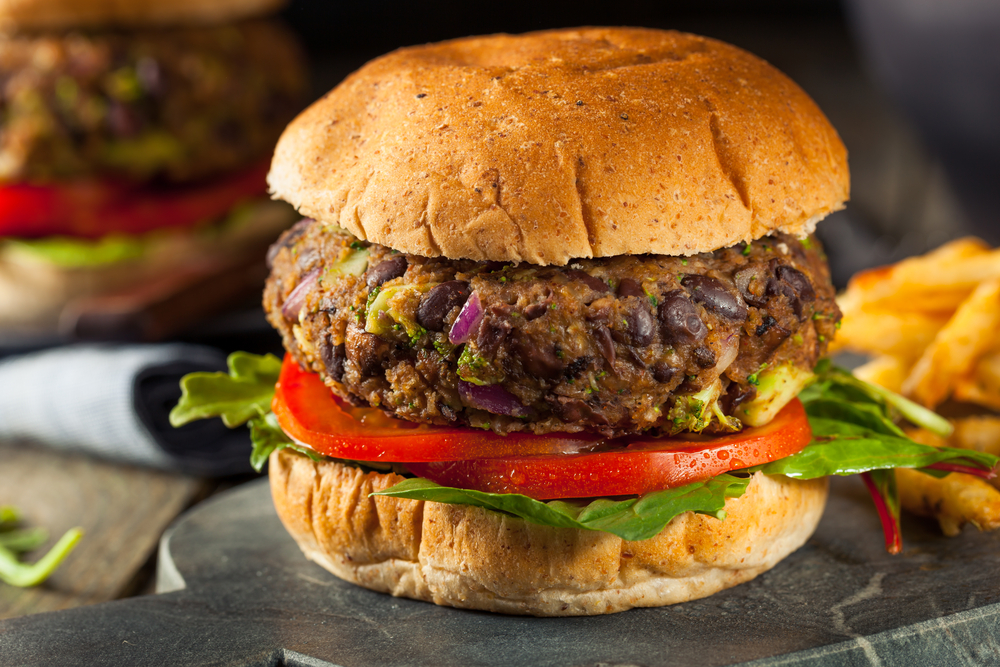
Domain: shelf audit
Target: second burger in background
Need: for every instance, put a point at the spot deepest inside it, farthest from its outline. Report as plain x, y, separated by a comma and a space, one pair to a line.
134, 140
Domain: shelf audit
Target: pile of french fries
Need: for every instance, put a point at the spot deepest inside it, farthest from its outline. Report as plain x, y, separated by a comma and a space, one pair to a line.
932, 327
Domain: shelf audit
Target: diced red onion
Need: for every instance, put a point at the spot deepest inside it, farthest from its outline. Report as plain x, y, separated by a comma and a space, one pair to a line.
730, 350
297, 299
467, 322
492, 398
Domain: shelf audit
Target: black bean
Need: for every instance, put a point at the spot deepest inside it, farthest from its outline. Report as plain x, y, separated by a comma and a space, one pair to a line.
385, 271
797, 281
735, 395
602, 337
776, 287
287, 239
333, 357
439, 301
366, 350
576, 367
534, 311
716, 297
629, 287
635, 326
770, 333
679, 320
541, 361
492, 333
703, 356
592, 282
752, 284
765, 324
663, 372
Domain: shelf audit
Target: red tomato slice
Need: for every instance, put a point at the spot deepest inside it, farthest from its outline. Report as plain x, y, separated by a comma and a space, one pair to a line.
641, 466
543, 467
93, 208
312, 415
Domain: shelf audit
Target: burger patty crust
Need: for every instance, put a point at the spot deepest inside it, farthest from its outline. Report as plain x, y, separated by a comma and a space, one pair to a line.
178, 104
605, 345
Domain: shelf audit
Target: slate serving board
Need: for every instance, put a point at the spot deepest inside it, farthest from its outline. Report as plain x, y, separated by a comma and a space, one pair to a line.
250, 598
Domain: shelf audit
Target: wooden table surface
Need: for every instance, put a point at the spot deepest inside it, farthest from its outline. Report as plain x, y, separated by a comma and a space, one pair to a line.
123, 510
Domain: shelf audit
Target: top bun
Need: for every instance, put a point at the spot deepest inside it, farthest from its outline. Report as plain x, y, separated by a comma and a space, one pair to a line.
33, 15
557, 145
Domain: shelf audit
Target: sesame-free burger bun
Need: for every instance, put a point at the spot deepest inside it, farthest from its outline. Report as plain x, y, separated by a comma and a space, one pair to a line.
33, 15
468, 557
564, 144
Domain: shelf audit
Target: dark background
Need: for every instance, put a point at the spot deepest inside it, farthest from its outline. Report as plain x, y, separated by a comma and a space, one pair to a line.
906, 82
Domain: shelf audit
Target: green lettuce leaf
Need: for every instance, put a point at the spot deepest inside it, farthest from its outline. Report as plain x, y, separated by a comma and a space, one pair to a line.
854, 427
631, 519
267, 436
239, 396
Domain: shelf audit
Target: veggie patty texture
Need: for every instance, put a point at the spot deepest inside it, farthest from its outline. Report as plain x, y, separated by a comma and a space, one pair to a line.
612, 345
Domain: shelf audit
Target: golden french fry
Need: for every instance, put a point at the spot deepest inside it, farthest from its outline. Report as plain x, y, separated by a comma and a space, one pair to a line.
981, 433
902, 335
936, 282
968, 335
953, 500
982, 387
885, 371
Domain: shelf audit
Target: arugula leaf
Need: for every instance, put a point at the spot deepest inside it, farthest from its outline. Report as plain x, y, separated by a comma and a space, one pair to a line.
855, 449
243, 394
632, 519
838, 384
267, 436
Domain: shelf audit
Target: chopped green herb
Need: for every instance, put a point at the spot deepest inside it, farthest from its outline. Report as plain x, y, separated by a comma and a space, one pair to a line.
746, 250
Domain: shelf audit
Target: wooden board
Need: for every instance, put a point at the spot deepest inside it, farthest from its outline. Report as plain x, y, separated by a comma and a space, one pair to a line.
123, 511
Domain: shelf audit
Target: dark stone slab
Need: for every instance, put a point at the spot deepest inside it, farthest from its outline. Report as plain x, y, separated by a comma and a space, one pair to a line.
246, 596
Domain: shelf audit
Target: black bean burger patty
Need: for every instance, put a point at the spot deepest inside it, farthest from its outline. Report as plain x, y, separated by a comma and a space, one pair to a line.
177, 104
600, 344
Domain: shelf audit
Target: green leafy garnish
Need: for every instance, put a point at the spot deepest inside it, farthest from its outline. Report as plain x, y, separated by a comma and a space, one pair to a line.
632, 519
243, 394
14, 540
267, 436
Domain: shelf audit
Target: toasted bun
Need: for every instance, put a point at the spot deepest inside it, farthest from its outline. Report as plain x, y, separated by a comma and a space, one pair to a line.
478, 559
566, 144
31, 15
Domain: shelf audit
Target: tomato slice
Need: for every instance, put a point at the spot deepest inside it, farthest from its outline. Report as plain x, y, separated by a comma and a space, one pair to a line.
540, 466
639, 467
310, 413
93, 208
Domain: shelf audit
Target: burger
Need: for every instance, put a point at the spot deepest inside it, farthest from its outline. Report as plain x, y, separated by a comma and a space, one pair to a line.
546, 321
134, 145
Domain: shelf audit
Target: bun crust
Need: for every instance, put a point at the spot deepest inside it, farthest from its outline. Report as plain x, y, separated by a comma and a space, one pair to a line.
564, 144
31, 15
472, 558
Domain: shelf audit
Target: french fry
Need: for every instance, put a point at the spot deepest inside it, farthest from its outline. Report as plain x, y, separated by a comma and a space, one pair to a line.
885, 371
936, 282
957, 346
982, 387
980, 433
900, 334
953, 500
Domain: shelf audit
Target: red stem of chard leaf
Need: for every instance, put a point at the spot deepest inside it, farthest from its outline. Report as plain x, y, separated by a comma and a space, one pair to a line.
968, 470
890, 524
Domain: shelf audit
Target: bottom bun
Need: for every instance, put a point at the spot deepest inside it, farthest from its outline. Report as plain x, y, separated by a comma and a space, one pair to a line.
480, 559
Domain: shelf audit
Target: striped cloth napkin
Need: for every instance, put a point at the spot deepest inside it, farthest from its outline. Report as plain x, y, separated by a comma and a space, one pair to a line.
113, 401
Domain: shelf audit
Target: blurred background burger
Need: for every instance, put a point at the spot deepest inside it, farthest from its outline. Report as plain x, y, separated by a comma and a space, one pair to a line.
134, 140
